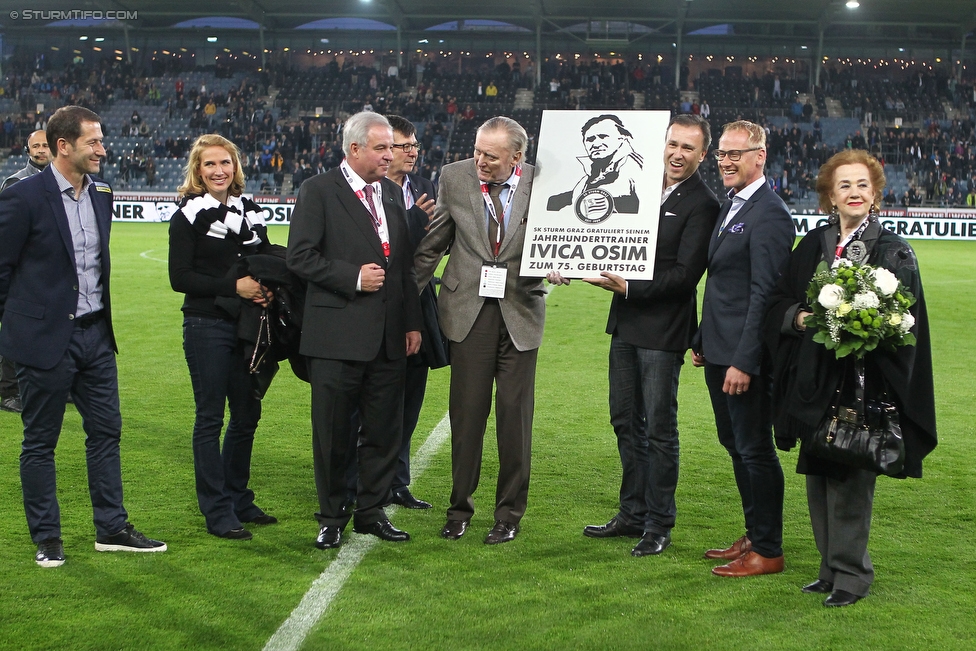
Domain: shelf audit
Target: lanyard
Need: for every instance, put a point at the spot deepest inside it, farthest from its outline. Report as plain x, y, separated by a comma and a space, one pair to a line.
374, 210
512, 185
839, 251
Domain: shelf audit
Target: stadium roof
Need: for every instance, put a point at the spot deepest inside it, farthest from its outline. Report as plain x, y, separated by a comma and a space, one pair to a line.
953, 16
913, 21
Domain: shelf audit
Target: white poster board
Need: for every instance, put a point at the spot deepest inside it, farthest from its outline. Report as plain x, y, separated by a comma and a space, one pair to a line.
596, 194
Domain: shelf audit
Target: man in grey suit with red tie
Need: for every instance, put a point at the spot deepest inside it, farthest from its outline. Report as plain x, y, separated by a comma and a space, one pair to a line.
751, 242
493, 317
348, 241
651, 324
56, 315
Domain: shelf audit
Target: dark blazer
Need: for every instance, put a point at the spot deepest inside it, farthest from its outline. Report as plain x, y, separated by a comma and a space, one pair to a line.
662, 314
744, 261
807, 374
38, 279
434, 347
330, 239
417, 219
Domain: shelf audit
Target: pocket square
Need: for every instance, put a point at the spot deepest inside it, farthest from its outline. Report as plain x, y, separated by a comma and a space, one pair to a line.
737, 228
669, 214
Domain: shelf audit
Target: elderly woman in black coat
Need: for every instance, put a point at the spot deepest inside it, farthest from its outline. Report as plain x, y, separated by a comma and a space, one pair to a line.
840, 497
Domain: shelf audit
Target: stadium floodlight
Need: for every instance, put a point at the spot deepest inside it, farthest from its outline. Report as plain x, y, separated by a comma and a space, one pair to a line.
853, 4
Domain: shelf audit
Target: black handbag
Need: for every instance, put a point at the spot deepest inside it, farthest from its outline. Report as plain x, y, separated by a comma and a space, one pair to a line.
867, 436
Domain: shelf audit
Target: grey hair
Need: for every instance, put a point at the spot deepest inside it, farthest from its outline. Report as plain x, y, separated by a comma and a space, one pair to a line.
356, 128
518, 139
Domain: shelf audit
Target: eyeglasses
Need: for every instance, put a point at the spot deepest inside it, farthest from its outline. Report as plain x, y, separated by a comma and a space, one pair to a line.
733, 154
408, 147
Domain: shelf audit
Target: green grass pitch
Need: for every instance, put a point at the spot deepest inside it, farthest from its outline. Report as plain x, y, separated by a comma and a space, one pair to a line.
551, 588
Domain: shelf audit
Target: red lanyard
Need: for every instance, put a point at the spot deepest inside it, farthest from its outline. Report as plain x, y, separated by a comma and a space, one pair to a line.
512, 185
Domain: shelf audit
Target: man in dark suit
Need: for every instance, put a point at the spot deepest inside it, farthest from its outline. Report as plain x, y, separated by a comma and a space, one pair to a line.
418, 198
38, 157
652, 324
751, 242
493, 317
348, 240
57, 327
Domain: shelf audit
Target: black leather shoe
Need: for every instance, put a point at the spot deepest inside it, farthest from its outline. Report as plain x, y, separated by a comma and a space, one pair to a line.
264, 518
613, 529
236, 534
651, 544
329, 538
502, 532
383, 530
404, 498
841, 598
454, 529
819, 587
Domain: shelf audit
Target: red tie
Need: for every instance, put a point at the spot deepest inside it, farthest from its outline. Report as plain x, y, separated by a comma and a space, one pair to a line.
496, 229
372, 208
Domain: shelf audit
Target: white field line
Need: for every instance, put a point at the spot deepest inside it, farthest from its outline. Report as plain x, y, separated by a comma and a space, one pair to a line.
291, 634
147, 255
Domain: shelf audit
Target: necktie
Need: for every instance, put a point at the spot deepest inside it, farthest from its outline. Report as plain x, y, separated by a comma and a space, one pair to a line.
368, 190
496, 229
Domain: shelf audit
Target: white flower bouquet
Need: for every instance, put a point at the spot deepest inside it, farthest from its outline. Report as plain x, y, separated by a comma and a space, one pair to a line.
858, 307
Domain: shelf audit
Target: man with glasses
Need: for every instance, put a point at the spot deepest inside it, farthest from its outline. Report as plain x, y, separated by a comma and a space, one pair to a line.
751, 241
418, 196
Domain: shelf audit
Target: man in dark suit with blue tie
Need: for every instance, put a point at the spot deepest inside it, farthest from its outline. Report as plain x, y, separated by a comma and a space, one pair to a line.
750, 243
57, 327
651, 324
348, 241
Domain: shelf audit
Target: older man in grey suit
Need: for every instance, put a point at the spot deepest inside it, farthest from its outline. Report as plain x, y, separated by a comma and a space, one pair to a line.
492, 316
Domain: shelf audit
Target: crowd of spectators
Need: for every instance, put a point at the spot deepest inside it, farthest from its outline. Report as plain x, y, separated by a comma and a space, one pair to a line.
290, 142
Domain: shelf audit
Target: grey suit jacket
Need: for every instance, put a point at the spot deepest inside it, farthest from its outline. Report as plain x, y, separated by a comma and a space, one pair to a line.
744, 261
460, 224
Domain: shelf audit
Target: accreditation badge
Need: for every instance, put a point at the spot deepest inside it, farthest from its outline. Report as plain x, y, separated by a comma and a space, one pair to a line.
493, 278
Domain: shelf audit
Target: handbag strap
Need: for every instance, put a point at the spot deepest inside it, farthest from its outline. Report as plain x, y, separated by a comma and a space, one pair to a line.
859, 388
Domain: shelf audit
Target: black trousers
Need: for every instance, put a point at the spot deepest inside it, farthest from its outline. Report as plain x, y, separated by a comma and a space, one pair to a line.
340, 387
89, 373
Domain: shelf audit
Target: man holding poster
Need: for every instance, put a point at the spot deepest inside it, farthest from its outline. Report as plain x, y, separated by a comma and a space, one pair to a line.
493, 317
651, 324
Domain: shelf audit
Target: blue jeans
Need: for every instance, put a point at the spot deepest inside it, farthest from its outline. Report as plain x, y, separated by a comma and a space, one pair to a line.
218, 372
644, 415
745, 429
88, 371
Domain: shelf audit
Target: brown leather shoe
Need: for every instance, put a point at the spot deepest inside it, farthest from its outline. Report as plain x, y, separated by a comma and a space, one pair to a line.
750, 564
740, 547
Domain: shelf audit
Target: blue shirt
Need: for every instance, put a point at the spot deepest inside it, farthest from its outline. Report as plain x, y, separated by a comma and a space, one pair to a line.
84, 238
